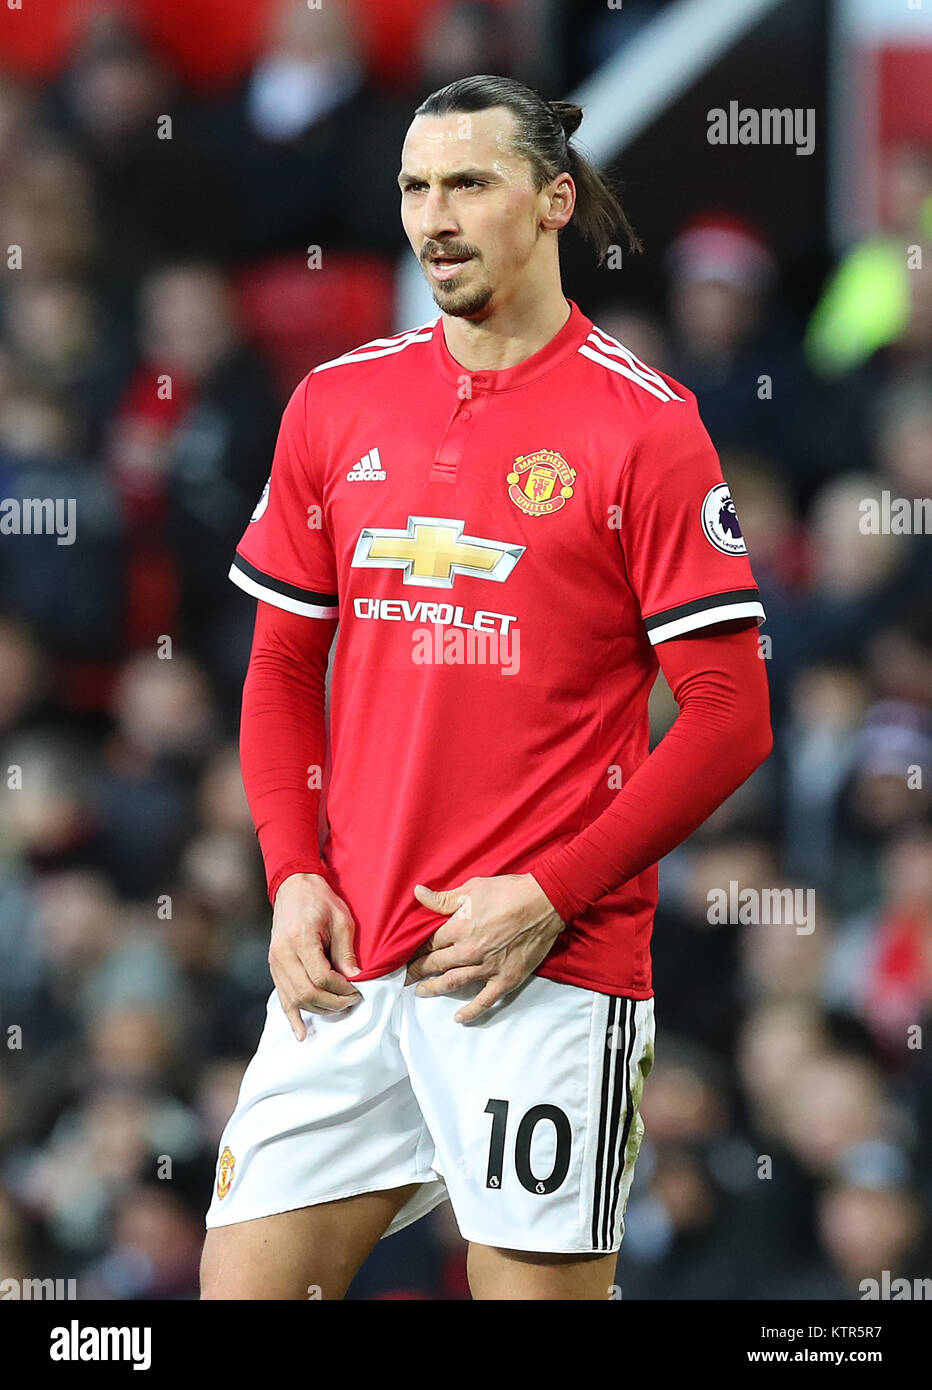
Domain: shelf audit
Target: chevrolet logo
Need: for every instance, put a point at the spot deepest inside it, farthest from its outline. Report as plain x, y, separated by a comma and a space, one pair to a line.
433, 550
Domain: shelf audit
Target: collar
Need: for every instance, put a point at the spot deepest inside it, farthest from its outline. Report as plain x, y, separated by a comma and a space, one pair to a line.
570, 337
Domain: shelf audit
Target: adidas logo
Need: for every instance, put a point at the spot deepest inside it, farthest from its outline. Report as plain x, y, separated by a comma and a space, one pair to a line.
368, 469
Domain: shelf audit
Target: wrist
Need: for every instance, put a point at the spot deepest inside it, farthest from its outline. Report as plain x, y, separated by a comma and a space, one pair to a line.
308, 872
545, 900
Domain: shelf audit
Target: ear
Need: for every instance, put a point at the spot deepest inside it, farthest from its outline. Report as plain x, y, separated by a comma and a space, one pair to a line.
561, 200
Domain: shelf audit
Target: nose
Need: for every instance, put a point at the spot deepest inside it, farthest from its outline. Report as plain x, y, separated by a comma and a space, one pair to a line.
437, 220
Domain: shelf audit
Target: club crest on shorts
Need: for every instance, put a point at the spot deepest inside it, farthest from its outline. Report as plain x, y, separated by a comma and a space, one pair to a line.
263, 501
538, 475
225, 1173
720, 522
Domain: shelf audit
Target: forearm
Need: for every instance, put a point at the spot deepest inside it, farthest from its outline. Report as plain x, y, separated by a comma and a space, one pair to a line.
283, 739
720, 736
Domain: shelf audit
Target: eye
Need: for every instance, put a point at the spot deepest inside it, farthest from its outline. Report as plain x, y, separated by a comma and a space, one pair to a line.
412, 187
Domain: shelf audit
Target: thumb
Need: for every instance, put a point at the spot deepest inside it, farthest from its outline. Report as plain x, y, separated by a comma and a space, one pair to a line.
342, 955
443, 900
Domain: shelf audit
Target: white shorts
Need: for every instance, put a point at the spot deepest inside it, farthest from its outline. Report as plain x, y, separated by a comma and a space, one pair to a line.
527, 1119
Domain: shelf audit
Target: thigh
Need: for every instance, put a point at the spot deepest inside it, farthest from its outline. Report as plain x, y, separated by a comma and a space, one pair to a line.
520, 1274
311, 1253
325, 1119
534, 1112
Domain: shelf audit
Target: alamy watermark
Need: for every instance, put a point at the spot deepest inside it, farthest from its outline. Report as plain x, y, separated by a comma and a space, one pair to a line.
769, 125
39, 516
887, 515
457, 646
790, 907
886, 1287
38, 1290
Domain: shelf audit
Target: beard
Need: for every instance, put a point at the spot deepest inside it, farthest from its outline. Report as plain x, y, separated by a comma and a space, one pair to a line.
463, 301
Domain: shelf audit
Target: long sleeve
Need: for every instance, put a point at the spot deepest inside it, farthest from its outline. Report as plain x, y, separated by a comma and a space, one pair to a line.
283, 738
722, 733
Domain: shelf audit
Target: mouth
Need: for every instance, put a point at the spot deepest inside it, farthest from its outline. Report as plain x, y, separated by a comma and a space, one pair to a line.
445, 267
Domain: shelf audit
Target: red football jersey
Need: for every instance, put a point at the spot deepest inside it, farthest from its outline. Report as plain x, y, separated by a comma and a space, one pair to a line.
504, 549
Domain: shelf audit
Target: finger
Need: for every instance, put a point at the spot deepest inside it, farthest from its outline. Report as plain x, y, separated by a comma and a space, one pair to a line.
484, 1000
296, 992
435, 962
312, 992
447, 934
342, 934
445, 901
290, 981
319, 973
450, 982
293, 1015
323, 1002
418, 968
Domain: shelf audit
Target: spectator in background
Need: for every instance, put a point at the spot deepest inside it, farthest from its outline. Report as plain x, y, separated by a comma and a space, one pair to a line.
870, 1225
872, 335
464, 36
694, 945
66, 578
24, 674
881, 969
903, 453
59, 342
858, 577
698, 1173
47, 209
154, 1250
778, 1034
867, 301
190, 452
312, 140
729, 347
826, 706
156, 193
164, 729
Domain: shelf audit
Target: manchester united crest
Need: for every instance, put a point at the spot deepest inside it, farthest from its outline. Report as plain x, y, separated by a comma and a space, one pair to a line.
225, 1173
541, 483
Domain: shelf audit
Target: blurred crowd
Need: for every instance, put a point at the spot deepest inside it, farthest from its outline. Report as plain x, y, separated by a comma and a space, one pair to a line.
150, 331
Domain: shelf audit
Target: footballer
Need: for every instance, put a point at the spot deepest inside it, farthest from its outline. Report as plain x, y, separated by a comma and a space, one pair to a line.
515, 522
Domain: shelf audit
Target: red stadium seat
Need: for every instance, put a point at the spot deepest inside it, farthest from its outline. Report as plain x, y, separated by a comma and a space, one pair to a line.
298, 317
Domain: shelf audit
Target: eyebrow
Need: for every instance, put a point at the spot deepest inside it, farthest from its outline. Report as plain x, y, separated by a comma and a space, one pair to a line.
453, 177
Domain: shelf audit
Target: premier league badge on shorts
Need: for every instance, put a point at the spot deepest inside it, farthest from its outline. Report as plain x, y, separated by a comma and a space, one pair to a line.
720, 521
225, 1173
541, 473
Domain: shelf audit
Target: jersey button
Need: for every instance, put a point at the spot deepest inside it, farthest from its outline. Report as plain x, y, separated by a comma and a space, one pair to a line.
467, 415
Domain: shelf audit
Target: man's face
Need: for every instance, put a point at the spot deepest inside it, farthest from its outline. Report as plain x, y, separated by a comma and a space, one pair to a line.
469, 206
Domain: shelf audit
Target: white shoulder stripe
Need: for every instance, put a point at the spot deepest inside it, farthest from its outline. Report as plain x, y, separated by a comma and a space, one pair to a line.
623, 369
381, 347
614, 348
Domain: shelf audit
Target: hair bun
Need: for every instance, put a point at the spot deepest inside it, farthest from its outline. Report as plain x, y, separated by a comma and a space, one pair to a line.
568, 114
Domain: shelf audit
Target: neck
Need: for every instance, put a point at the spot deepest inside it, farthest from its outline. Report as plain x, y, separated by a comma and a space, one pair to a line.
508, 333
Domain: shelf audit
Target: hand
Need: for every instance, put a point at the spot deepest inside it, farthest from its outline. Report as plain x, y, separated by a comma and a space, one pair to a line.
498, 930
312, 940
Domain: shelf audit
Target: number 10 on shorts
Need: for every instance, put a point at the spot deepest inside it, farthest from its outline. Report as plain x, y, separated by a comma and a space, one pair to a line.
538, 1114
